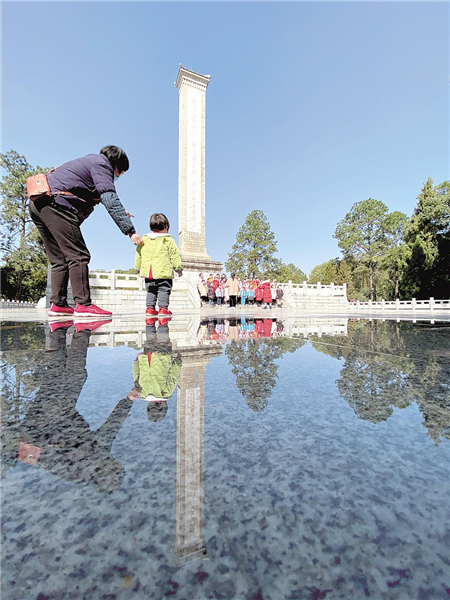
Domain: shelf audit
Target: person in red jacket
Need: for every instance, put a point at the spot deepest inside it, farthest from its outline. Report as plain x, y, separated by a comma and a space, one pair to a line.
258, 293
267, 294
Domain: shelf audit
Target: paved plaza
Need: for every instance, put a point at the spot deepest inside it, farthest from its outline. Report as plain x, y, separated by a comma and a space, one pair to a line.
237, 454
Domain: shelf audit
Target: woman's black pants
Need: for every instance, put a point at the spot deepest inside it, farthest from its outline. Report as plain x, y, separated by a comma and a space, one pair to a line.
65, 248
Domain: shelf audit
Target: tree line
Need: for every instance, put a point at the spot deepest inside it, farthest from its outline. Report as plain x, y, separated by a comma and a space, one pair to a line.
384, 254
389, 255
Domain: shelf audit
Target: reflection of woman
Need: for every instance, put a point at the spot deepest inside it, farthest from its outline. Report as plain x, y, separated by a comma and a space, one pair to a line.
76, 188
55, 436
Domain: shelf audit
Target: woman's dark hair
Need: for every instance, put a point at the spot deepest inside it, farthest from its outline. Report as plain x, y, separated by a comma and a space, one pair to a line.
158, 222
117, 157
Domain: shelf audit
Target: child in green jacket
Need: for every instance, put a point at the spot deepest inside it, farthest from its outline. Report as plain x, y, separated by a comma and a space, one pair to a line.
156, 260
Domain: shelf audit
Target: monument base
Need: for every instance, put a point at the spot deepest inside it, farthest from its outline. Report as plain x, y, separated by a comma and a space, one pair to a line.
201, 265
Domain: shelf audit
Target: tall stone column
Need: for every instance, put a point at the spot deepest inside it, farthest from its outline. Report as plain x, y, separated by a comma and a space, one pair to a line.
191, 172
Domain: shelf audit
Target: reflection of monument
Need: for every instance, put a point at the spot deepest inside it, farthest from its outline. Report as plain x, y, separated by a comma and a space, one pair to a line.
191, 172
190, 459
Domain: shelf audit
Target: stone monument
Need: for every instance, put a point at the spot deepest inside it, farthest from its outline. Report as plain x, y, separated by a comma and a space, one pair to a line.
191, 173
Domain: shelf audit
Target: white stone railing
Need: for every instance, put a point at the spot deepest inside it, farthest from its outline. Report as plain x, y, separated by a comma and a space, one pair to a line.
16, 304
316, 289
403, 305
115, 281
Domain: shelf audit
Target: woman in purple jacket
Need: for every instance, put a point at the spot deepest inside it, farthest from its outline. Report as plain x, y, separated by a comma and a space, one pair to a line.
77, 187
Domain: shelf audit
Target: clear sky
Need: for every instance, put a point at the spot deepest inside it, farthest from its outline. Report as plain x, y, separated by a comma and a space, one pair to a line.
311, 108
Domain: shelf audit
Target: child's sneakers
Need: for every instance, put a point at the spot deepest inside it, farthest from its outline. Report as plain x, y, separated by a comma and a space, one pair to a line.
91, 311
151, 320
60, 311
164, 316
151, 312
163, 321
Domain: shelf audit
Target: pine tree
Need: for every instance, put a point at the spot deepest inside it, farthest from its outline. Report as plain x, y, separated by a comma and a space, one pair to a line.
427, 271
253, 252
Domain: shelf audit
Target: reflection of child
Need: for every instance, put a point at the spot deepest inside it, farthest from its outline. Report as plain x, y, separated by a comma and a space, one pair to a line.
156, 259
156, 371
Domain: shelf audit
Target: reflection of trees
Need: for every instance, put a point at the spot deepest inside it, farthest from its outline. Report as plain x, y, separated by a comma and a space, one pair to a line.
391, 364
372, 387
253, 363
23, 347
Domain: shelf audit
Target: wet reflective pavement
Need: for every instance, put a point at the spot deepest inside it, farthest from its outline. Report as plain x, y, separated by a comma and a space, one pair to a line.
256, 459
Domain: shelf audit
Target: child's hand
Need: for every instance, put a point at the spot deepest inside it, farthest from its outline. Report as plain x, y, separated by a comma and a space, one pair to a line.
180, 272
136, 239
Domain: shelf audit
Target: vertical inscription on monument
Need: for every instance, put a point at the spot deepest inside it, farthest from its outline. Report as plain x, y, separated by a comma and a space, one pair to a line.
194, 164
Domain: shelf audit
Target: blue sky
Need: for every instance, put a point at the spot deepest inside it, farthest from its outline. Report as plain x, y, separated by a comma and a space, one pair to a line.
311, 108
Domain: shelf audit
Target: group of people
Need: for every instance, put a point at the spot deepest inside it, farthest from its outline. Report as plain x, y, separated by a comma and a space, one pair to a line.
218, 290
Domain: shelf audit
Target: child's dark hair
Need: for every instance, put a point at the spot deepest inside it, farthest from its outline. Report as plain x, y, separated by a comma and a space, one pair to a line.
117, 157
156, 411
158, 222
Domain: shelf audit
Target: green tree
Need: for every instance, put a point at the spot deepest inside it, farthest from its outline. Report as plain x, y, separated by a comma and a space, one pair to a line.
427, 272
365, 234
345, 275
325, 273
394, 260
24, 262
253, 252
287, 272
335, 271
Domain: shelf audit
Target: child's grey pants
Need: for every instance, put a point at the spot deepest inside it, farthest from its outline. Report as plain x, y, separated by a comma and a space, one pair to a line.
158, 289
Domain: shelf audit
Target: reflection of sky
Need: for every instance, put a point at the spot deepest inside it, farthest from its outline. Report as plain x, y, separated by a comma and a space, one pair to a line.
301, 496
110, 378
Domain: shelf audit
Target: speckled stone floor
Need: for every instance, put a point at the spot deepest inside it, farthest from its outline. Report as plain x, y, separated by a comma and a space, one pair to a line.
287, 466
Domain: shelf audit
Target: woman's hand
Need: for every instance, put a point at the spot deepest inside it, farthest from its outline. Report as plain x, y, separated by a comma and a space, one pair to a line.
134, 394
136, 239
130, 215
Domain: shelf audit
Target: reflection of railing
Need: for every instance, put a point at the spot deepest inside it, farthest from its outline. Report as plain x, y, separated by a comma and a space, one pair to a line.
403, 305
